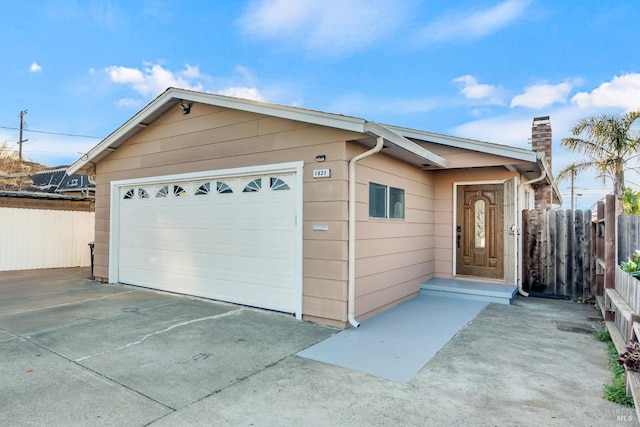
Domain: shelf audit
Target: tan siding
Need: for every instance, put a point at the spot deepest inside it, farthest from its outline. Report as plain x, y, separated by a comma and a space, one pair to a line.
326, 249
212, 138
325, 268
377, 247
318, 136
392, 256
325, 308
326, 211
379, 264
270, 125
326, 288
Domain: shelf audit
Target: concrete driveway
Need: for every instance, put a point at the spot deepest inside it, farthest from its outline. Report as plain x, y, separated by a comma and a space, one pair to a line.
75, 352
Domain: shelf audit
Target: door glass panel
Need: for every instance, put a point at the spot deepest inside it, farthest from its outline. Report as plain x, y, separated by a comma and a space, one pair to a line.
480, 224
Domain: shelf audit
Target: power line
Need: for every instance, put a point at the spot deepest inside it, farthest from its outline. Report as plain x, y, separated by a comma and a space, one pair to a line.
52, 133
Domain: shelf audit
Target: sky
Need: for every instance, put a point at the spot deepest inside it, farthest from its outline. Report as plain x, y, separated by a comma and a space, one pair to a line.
478, 69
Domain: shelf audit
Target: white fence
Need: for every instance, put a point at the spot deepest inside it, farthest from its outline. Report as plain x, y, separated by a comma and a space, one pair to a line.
35, 238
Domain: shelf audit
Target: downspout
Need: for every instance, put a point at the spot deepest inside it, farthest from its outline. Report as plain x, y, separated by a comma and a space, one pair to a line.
531, 181
351, 303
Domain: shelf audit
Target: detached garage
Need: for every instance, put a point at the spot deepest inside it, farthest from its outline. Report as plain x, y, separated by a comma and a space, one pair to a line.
329, 217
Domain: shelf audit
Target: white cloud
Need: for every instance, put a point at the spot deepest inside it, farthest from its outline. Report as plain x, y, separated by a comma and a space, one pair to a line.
621, 92
129, 103
35, 68
473, 90
154, 79
473, 24
243, 92
544, 95
324, 27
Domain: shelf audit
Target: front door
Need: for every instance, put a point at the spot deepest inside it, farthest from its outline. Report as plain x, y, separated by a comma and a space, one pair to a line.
479, 229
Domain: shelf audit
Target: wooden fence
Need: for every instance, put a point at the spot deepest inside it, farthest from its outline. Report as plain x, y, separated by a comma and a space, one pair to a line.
628, 236
556, 253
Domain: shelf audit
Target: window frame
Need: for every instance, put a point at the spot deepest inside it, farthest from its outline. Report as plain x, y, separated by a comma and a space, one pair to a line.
389, 211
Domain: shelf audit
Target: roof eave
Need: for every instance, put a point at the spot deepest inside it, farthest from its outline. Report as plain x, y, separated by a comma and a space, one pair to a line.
173, 96
403, 143
467, 144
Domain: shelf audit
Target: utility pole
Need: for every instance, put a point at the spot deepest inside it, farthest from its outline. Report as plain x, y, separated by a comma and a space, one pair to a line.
573, 179
22, 113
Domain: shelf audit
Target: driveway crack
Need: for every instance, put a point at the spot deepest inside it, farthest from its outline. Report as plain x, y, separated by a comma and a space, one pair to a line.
86, 368
177, 325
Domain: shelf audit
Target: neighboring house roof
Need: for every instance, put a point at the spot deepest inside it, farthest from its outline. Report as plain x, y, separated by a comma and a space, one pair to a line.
48, 180
75, 182
398, 140
58, 181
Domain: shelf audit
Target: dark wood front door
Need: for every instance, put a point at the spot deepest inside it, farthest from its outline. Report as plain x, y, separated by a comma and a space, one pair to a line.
479, 230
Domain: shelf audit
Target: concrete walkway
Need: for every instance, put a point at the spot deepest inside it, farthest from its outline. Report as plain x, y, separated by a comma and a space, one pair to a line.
74, 352
397, 343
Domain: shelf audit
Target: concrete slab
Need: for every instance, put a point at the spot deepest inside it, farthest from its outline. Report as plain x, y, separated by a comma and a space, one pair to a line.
42, 388
397, 343
141, 357
510, 366
181, 365
166, 350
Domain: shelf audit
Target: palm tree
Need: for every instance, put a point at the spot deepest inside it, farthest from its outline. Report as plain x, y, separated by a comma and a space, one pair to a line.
610, 143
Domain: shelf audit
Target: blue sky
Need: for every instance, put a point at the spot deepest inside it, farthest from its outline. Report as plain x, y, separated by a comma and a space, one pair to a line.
477, 69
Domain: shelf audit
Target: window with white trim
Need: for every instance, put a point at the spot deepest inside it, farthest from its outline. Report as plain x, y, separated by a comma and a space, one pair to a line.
385, 201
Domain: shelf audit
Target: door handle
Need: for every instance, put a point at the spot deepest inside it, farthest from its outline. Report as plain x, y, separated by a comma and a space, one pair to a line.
459, 237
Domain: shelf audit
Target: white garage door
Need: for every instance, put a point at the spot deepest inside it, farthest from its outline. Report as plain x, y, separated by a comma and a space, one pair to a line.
231, 239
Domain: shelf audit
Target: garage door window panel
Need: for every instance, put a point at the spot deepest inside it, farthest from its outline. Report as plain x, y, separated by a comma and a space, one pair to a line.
223, 188
178, 191
253, 186
278, 185
203, 189
163, 191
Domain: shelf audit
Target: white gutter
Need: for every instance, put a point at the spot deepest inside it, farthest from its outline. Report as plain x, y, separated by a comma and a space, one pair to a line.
351, 303
531, 181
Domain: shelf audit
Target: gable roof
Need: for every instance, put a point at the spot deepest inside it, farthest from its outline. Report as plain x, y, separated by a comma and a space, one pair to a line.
398, 145
398, 140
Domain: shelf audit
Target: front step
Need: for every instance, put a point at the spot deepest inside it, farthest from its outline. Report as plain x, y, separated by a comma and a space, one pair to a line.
470, 290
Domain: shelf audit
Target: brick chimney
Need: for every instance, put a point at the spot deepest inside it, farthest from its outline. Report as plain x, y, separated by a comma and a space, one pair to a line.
541, 141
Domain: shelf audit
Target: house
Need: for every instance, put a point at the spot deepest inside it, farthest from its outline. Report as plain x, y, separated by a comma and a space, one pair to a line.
330, 217
57, 180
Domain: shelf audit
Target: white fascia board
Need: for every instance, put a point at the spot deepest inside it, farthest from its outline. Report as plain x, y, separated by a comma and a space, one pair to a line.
403, 143
338, 121
348, 123
113, 139
468, 144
